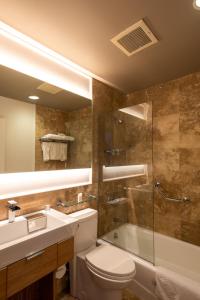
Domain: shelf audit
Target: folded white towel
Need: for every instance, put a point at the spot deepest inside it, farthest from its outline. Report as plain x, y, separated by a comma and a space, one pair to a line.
54, 151
172, 286
165, 287
60, 136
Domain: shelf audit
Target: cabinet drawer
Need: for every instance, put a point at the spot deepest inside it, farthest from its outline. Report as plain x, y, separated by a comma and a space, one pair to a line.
28, 270
65, 251
3, 274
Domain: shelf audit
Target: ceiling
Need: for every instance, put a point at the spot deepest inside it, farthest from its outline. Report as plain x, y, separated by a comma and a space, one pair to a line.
18, 86
81, 31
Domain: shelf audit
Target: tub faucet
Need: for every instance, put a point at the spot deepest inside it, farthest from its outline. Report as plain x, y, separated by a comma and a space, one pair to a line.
12, 208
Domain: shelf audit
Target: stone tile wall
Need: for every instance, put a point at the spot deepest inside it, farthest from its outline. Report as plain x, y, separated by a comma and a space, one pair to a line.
48, 120
37, 202
176, 154
77, 123
176, 160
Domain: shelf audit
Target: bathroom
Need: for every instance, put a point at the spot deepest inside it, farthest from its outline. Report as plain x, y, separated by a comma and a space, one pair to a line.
100, 150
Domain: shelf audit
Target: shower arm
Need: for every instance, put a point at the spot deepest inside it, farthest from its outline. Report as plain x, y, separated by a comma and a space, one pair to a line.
161, 191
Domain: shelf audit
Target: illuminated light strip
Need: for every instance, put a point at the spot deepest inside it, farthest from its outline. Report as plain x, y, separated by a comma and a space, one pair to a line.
120, 172
20, 184
139, 111
24, 54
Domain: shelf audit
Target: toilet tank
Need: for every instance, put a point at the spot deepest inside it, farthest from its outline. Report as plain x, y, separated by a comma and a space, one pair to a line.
86, 234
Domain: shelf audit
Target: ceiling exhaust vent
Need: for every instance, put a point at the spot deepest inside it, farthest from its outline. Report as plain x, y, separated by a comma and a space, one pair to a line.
135, 38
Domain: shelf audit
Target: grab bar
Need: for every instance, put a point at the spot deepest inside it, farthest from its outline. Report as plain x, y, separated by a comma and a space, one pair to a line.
164, 195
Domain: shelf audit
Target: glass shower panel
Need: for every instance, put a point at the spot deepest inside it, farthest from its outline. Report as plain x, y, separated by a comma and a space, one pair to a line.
127, 179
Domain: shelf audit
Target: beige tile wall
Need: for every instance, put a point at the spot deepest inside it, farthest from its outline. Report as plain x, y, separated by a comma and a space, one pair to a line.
77, 123
176, 153
176, 160
48, 120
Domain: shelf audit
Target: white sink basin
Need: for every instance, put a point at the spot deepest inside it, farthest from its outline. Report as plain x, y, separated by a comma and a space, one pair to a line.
12, 231
16, 242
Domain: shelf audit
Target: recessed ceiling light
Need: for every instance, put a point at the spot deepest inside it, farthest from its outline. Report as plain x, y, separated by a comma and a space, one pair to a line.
196, 4
34, 97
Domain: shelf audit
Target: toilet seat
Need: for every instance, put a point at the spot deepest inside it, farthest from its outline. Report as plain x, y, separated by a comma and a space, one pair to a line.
109, 277
111, 263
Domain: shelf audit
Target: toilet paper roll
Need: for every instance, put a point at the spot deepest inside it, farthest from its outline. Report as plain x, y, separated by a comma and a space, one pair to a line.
61, 272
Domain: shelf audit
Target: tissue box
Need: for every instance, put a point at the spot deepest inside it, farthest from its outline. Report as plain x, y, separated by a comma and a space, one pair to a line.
36, 222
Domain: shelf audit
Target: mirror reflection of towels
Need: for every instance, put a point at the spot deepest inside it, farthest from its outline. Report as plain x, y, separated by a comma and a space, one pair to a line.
54, 151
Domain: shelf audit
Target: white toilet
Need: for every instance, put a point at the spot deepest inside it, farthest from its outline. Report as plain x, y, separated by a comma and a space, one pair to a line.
97, 273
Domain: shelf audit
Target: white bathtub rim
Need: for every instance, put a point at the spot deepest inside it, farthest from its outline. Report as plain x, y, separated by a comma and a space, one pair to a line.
185, 266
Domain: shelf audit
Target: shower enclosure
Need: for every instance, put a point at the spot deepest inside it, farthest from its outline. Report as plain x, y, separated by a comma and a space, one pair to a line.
126, 209
140, 207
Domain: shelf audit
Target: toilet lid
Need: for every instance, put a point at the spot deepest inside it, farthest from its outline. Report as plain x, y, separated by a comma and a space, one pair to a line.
111, 260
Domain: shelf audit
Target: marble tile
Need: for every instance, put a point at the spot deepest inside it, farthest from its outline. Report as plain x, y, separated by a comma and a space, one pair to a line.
176, 154
190, 232
176, 159
67, 297
166, 131
128, 295
77, 123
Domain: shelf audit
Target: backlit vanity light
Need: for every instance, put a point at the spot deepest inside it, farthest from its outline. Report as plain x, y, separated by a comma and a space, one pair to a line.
196, 4
23, 54
20, 184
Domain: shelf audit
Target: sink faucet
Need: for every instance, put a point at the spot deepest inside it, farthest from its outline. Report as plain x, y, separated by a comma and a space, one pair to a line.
12, 208
61, 203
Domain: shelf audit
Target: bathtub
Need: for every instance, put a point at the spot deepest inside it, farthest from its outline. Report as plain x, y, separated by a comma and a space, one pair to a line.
134, 239
150, 250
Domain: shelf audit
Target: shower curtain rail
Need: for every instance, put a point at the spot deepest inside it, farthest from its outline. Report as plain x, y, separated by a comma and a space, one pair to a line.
164, 195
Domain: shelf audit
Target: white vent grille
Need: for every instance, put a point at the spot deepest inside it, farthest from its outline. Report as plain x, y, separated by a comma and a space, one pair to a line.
135, 38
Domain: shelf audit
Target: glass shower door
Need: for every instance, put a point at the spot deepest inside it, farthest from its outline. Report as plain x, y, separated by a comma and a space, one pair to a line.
126, 186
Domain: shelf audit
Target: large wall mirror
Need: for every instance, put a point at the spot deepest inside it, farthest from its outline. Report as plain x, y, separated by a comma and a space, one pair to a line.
42, 127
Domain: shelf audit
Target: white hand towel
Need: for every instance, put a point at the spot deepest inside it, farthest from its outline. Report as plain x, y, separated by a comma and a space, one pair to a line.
46, 151
54, 151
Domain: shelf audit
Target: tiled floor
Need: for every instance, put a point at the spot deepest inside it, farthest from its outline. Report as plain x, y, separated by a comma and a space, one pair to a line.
126, 296
67, 297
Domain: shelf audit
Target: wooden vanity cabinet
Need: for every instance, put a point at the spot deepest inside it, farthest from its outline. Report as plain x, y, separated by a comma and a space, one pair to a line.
26, 271
23, 274
65, 251
3, 276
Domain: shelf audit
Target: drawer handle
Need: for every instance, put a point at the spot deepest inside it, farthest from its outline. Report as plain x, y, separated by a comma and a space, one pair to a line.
34, 255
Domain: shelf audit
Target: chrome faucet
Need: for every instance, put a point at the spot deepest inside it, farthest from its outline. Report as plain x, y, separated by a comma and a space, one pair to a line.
12, 208
61, 203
